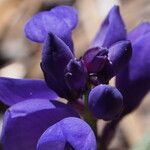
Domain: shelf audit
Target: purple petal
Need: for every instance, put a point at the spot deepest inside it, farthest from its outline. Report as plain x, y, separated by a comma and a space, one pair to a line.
16, 90
45, 22
111, 31
26, 121
95, 59
55, 57
72, 131
68, 14
134, 80
76, 76
119, 55
105, 102
141, 30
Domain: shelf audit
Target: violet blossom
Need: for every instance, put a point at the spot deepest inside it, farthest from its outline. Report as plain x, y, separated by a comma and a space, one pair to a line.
36, 119
34, 107
134, 80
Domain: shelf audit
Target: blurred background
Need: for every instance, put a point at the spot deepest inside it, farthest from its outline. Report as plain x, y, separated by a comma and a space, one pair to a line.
20, 58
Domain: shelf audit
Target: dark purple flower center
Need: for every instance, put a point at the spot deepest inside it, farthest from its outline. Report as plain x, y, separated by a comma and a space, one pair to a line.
96, 60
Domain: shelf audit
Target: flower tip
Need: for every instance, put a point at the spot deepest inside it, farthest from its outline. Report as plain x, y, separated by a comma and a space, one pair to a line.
120, 54
76, 76
115, 9
126, 48
54, 42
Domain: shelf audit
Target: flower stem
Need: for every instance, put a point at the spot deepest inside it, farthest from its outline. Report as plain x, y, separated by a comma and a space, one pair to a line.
108, 133
88, 116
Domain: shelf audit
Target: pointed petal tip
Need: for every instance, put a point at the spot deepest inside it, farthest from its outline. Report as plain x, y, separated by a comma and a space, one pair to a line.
112, 29
115, 8
121, 46
55, 57
120, 54
53, 43
76, 76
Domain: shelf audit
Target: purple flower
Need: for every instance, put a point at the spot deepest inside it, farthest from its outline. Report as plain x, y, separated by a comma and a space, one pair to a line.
34, 107
105, 63
61, 69
110, 50
134, 80
110, 55
38, 120
54, 28
111, 31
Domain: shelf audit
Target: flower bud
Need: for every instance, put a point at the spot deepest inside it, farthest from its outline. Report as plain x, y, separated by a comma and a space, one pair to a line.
105, 102
95, 59
76, 76
119, 56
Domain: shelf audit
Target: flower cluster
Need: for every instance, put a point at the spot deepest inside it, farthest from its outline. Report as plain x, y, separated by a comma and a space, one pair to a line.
36, 119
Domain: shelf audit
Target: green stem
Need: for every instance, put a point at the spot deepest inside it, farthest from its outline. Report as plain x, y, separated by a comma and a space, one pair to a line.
88, 116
